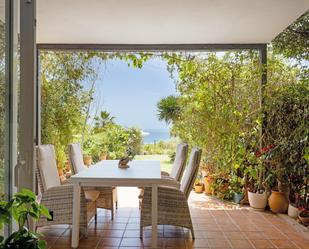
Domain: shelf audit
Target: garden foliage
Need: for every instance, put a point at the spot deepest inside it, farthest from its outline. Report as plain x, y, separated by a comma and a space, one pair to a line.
221, 107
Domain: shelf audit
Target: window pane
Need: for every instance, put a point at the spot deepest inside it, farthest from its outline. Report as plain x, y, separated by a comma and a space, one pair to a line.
2, 98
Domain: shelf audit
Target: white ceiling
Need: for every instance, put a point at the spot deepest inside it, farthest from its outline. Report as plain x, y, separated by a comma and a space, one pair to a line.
164, 21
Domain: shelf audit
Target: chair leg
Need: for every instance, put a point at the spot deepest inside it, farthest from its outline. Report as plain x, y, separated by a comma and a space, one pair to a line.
112, 206
192, 233
96, 218
116, 204
86, 232
141, 232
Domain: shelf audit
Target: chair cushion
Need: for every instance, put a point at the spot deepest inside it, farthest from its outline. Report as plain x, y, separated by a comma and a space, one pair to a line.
46, 163
191, 171
76, 158
179, 162
91, 195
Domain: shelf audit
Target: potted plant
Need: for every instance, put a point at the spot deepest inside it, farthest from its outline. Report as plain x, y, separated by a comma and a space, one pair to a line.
304, 216
208, 170
257, 194
236, 188
208, 183
61, 173
297, 178
87, 160
103, 154
198, 185
278, 200
22, 208
287, 127
220, 186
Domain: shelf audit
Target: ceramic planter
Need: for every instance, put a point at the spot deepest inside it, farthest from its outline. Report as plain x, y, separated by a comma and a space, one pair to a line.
237, 197
293, 211
208, 180
257, 201
199, 188
278, 202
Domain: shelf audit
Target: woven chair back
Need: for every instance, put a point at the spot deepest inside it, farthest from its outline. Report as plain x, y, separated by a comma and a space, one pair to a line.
191, 171
76, 158
47, 172
180, 161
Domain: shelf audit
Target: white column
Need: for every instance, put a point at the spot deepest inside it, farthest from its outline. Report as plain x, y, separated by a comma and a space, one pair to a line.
76, 215
154, 210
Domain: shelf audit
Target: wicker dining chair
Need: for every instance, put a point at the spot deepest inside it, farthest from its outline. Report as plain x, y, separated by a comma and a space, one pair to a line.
57, 197
173, 208
108, 195
177, 169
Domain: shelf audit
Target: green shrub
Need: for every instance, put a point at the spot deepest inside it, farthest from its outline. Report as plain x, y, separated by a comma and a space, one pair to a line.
114, 140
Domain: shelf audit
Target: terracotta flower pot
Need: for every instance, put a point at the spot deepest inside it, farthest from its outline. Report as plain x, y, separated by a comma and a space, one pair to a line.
278, 202
208, 180
199, 188
103, 156
257, 201
87, 160
60, 171
293, 211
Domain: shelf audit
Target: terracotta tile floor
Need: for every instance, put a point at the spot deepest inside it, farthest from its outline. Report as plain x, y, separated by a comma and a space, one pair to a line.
217, 224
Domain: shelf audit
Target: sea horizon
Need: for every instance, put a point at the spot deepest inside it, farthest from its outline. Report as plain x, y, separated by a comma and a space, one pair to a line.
151, 136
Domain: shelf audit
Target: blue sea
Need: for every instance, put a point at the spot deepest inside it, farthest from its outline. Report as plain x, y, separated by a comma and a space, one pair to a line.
151, 136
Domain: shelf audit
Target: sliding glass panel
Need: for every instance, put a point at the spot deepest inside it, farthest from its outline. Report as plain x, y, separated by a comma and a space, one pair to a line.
3, 109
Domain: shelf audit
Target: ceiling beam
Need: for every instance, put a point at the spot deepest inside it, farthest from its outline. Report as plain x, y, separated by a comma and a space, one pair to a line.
150, 47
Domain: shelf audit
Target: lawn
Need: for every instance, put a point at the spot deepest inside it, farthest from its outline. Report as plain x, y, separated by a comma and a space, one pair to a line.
166, 164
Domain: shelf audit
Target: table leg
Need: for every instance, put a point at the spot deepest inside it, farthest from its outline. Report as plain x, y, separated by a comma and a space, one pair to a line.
76, 215
154, 210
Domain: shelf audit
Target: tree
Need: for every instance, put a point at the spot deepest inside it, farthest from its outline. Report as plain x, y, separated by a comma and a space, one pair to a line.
65, 103
219, 102
293, 42
63, 98
103, 120
168, 109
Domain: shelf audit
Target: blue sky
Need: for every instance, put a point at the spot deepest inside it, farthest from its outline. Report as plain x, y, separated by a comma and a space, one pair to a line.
131, 94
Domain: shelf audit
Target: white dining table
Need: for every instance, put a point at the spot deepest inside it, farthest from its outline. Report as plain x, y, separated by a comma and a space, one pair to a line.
143, 173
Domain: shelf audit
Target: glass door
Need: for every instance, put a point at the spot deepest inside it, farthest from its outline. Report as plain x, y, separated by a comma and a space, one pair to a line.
9, 83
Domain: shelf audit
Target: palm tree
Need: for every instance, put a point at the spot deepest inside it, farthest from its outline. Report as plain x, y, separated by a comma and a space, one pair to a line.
168, 109
104, 119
